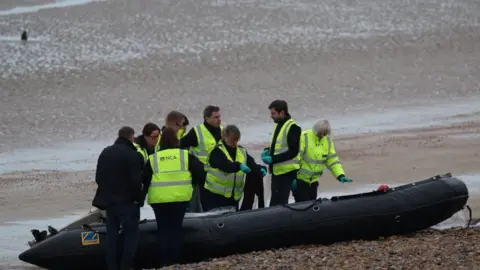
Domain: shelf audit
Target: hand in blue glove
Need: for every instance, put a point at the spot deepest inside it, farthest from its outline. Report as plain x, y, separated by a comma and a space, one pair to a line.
344, 179
265, 152
245, 168
294, 184
264, 171
267, 159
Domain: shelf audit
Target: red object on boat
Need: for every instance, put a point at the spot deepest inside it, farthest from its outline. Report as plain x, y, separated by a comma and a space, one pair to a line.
382, 188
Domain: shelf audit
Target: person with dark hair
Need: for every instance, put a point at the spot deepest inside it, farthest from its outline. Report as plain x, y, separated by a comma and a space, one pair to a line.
146, 142
282, 156
169, 177
201, 140
228, 164
119, 192
176, 120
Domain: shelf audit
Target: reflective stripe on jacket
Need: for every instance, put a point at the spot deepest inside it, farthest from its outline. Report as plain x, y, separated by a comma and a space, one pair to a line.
171, 179
315, 155
281, 146
227, 184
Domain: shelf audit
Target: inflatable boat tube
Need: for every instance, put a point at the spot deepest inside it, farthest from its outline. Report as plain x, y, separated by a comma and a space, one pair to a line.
398, 210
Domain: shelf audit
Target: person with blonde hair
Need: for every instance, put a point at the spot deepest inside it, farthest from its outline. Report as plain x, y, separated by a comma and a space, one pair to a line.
317, 150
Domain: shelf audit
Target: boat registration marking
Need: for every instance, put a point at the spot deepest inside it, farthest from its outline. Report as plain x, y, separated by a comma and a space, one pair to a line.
90, 238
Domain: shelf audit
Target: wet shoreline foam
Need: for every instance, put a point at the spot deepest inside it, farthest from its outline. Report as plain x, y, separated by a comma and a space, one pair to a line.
35, 8
82, 155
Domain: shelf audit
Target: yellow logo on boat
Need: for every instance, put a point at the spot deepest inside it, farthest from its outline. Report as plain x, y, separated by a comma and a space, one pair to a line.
90, 238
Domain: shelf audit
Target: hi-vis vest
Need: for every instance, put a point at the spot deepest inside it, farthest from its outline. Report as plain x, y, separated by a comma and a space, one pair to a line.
281, 146
227, 184
315, 154
142, 151
171, 179
206, 143
180, 134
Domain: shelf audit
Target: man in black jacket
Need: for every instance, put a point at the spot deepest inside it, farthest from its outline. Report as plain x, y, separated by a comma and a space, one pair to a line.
119, 192
282, 155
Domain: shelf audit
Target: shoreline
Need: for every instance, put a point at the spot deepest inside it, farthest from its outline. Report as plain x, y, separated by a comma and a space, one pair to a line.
389, 157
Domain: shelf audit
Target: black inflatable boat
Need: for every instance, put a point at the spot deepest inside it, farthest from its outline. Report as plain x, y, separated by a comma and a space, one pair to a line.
398, 210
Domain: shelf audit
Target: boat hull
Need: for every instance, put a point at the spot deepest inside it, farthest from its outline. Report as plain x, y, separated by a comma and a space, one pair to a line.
399, 210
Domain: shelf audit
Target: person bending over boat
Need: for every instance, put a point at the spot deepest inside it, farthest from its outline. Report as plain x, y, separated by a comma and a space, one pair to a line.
282, 155
317, 150
228, 163
169, 177
119, 192
146, 142
176, 120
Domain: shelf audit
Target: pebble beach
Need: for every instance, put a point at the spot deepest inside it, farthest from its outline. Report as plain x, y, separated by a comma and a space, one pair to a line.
429, 249
398, 80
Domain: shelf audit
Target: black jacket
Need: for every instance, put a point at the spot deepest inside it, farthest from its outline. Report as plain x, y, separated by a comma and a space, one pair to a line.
293, 141
195, 166
190, 140
219, 160
118, 175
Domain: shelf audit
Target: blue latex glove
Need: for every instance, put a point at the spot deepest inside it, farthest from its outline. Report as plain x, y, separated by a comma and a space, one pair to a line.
344, 179
264, 171
267, 159
265, 152
294, 184
245, 168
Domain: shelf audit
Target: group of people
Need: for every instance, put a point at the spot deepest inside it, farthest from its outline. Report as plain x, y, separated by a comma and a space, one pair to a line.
168, 166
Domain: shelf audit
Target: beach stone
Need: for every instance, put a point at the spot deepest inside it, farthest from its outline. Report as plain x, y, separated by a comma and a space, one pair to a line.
429, 249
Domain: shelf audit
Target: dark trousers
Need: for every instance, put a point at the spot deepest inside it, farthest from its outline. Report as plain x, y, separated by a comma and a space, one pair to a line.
281, 186
305, 191
253, 186
126, 216
212, 200
169, 218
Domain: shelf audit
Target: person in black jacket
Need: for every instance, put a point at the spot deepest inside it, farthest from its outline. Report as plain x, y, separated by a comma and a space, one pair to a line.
219, 161
281, 183
169, 203
119, 192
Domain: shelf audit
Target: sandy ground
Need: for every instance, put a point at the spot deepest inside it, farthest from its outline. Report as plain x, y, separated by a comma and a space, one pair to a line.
89, 69
394, 157
75, 84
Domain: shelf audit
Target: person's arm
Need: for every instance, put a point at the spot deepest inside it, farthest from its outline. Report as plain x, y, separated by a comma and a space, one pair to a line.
134, 165
196, 168
218, 160
293, 141
147, 176
333, 161
99, 171
189, 140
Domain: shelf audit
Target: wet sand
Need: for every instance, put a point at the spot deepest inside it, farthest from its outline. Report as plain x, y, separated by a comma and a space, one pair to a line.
390, 157
366, 66
393, 157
